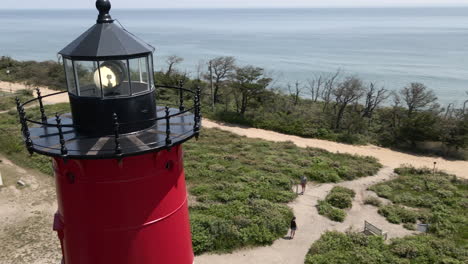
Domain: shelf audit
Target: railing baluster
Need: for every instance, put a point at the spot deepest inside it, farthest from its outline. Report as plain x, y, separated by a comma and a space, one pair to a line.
25, 129
41, 106
181, 96
20, 115
18, 103
118, 149
199, 105
197, 112
168, 128
63, 148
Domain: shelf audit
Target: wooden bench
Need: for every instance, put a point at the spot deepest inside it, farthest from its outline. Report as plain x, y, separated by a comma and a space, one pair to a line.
370, 229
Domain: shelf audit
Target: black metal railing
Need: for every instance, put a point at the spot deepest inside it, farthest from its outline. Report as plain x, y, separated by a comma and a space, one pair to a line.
118, 150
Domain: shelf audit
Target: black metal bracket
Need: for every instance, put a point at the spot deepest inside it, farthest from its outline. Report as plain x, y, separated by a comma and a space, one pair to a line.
118, 149
168, 128
63, 148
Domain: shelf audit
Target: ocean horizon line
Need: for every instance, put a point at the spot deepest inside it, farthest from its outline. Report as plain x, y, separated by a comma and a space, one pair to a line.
245, 8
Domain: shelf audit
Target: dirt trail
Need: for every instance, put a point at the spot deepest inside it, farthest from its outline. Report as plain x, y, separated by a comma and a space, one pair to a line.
311, 225
26, 215
387, 157
13, 87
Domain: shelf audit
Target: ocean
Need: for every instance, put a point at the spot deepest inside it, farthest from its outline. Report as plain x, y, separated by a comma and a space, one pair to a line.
389, 46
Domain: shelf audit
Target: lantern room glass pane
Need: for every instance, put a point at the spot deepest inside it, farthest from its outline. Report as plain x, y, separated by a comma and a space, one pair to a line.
88, 78
114, 78
139, 75
151, 71
71, 83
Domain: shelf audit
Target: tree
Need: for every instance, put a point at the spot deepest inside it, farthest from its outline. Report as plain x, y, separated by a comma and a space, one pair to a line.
171, 62
220, 69
417, 97
326, 94
455, 132
315, 87
420, 126
374, 97
464, 104
346, 93
248, 82
295, 94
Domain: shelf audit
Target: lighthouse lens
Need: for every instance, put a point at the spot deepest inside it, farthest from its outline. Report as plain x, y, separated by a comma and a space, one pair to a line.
109, 76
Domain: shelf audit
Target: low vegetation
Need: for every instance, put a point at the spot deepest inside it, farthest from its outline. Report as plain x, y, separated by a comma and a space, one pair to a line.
439, 199
7, 100
241, 186
338, 199
373, 201
418, 195
350, 247
33, 73
397, 214
11, 143
326, 209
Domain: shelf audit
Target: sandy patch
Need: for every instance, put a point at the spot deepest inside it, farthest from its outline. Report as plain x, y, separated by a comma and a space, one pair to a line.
13, 87
26, 215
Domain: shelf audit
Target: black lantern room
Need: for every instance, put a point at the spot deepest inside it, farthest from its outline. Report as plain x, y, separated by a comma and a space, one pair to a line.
109, 71
109, 74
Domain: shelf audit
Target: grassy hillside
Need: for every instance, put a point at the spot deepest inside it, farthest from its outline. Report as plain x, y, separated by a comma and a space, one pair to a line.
239, 186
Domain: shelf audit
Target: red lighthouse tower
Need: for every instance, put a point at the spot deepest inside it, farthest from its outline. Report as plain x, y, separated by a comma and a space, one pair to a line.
117, 156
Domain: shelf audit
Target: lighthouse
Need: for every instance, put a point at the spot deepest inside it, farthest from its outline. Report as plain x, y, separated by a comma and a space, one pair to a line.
117, 155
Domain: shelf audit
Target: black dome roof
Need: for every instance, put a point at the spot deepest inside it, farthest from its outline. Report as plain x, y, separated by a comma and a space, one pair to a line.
105, 40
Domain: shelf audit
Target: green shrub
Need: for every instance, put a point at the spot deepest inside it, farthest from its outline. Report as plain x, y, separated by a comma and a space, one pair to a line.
397, 214
409, 226
340, 200
224, 227
373, 201
331, 212
341, 248
340, 197
338, 189
382, 190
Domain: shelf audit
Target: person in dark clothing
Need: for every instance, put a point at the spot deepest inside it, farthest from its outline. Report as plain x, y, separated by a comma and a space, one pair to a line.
293, 228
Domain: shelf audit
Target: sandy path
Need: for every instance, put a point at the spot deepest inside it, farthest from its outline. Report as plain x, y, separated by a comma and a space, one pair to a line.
13, 87
311, 226
387, 157
26, 216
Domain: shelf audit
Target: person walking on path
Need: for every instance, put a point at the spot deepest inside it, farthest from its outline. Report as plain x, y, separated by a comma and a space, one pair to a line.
293, 228
303, 183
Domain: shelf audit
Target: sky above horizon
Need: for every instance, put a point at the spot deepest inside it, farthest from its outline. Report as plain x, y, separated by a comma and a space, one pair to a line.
47, 4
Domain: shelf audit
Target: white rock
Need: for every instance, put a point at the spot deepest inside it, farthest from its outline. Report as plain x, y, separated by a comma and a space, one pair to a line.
21, 183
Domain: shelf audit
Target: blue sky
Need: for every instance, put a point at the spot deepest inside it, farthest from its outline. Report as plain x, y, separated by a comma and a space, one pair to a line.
33, 4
